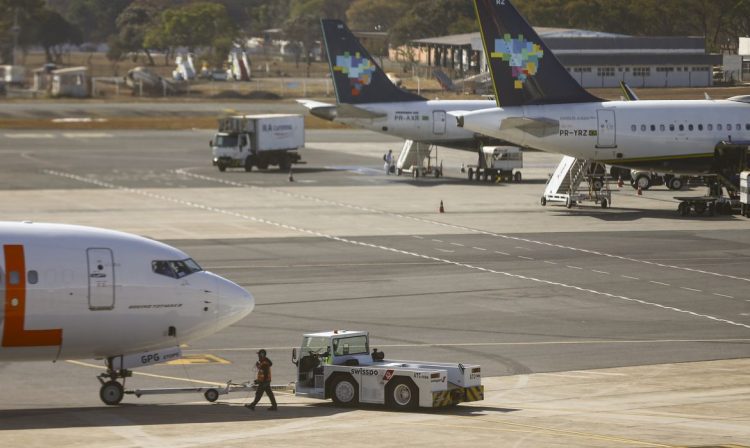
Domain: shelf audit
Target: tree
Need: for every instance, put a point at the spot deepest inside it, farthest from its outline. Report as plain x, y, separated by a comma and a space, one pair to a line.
52, 31
27, 12
375, 15
193, 26
426, 18
132, 25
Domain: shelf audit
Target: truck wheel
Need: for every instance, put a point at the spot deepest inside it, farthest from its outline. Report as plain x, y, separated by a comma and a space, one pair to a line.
471, 173
402, 394
643, 181
249, 163
284, 163
605, 203
517, 176
544, 201
344, 391
262, 164
222, 167
675, 183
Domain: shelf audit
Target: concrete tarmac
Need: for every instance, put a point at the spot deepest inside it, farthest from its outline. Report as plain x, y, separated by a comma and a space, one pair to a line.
618, 327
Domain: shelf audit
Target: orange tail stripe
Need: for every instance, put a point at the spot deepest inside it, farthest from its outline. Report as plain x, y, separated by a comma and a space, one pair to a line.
14, 334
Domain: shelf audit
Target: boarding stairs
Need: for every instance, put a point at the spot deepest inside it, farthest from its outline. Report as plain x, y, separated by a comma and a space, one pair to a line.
412, 159
564, 184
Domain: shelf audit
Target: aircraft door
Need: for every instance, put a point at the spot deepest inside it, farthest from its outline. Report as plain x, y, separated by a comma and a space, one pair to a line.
101, 272
438, 122
606, 137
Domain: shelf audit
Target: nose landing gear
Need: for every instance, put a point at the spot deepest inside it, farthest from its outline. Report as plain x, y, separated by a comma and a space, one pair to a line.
112, 391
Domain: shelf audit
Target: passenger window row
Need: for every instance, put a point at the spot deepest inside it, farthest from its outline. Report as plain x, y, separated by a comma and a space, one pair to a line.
690, 127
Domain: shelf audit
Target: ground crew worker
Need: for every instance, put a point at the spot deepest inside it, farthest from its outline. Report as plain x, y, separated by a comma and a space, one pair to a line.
263, 381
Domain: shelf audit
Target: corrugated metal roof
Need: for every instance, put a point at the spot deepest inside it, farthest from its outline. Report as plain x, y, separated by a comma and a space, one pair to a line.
544, 32
621, 59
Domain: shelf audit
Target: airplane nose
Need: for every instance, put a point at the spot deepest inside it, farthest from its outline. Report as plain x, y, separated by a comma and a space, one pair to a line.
235, 302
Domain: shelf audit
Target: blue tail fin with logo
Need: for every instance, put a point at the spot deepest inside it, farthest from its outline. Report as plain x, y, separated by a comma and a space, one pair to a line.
524, 70
357, 78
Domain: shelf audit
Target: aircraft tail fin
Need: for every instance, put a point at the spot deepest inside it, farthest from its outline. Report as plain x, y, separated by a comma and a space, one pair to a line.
357, 78
524, 70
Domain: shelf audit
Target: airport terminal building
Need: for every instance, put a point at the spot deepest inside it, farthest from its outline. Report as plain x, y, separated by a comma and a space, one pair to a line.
595, 59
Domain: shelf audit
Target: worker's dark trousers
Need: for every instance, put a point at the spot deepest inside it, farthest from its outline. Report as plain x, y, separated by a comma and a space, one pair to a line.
264, 386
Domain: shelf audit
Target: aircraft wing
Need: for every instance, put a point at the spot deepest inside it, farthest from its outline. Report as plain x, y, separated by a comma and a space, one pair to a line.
311, 104
538, 127
352, 111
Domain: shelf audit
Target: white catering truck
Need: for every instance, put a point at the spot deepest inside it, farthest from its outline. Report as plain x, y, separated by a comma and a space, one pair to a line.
499, 163
247, 141
339, 365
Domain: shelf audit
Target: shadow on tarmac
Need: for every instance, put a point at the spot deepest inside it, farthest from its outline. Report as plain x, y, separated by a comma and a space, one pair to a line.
614, 214
175, 414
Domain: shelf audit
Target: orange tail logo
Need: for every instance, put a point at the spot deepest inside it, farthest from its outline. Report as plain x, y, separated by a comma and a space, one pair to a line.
14, 334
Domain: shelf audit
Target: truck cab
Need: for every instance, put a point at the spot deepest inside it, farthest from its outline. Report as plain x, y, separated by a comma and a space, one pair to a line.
227, 147
339, 365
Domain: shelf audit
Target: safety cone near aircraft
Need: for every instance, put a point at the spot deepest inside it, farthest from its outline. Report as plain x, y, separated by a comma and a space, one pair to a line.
442, 209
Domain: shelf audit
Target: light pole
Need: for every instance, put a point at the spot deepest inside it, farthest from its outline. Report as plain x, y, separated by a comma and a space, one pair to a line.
15, 31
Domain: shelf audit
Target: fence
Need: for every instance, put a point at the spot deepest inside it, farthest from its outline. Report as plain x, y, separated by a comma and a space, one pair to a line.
258, 88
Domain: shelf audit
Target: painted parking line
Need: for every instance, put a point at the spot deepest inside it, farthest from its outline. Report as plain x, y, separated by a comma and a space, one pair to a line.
479, 248
690, 289
350, 241
502, 253
549, 262
659, 283
28, 135
525, 258
723, 295
437, 241
457, 244
185, 172
445, 250
574, 267
417, 237
629, 277
600, 272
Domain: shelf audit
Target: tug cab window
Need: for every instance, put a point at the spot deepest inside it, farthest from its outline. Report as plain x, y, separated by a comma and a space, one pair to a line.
175, 268
355, 345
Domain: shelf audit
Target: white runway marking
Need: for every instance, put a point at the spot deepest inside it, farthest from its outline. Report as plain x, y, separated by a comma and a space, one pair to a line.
28, 135
445, 250
550, 262
386, 248
86, 135
629, 277
525, 258
600, 272
573, 267
438, 241
459, 227
417, 237
479, 248
690, 289
659, 283
723, 295
502, 253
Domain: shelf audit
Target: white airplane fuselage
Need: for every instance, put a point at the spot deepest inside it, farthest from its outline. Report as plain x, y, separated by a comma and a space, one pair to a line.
422, 121
677, 136
80, 292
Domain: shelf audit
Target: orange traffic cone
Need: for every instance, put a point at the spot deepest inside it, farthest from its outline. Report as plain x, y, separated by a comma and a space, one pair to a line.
442, 209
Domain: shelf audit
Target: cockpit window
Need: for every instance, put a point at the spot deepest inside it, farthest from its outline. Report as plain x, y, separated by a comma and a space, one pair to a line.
175, 268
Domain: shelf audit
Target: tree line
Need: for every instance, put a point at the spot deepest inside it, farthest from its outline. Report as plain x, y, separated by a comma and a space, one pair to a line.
133, 27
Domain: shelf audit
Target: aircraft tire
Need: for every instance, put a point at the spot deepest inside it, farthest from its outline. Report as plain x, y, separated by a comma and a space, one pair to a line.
111, 393
211, 395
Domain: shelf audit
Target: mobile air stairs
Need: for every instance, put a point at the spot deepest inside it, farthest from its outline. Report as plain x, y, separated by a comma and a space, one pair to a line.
564, 185
412, 160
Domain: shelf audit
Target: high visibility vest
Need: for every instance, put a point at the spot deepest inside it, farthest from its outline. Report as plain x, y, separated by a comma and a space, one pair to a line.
264, 370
